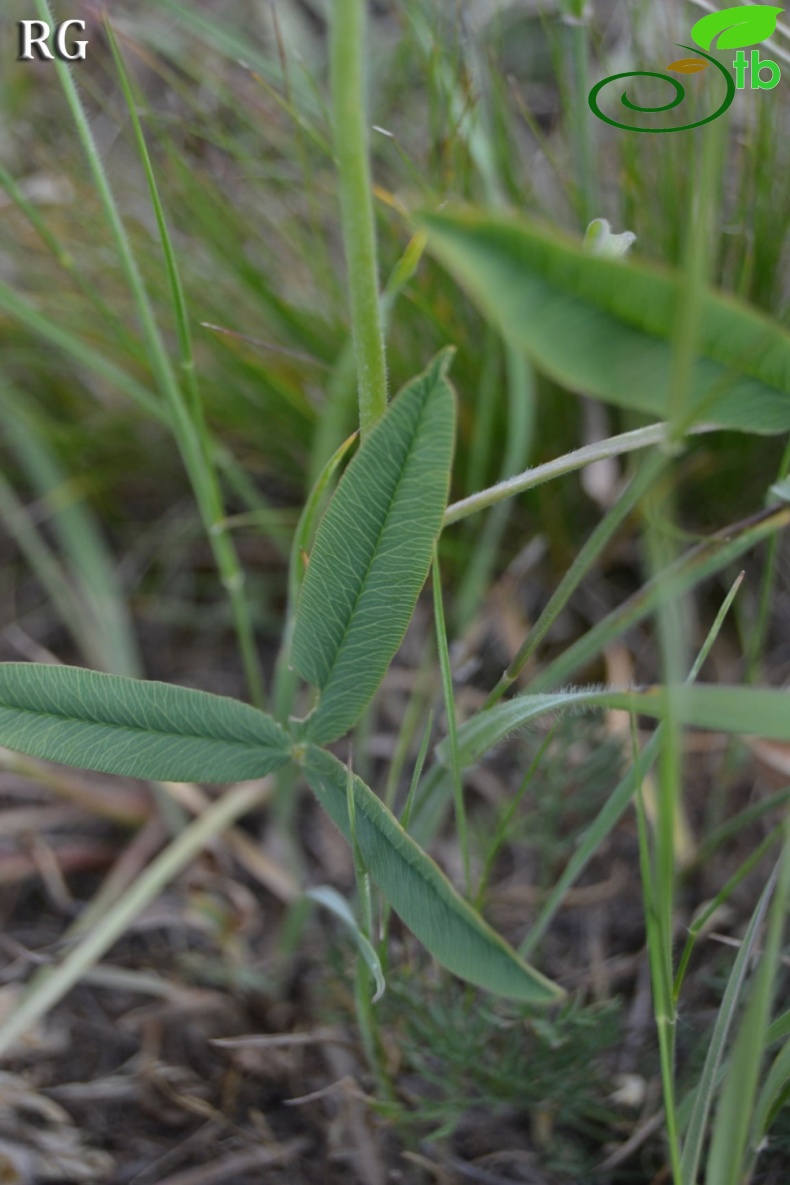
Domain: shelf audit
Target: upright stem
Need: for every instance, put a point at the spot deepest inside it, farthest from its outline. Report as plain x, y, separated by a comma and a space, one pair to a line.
347, 46
578, 20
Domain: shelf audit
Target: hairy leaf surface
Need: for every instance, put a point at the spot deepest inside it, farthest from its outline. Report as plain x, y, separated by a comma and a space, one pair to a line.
372, 552
134, 727
419, 892
754, 710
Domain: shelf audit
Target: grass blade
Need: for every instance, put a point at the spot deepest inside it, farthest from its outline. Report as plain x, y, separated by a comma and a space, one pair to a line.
90, 563
731, 1127
331, 900
691, 569
188, 419
452, 725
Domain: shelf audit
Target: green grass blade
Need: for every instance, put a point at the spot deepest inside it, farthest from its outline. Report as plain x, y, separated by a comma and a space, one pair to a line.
80, 539
331, 900
65, 259
49, 571
81, 353
540, 288
582, 563
133, 727
417, 773
452, 724
730, 1134
700, 562
708, 1081
773, 1092
85, 356
755, 711
520, 425
419, 892
188, 419
701, 919
617, 803
372, 552
237, 45
605, 821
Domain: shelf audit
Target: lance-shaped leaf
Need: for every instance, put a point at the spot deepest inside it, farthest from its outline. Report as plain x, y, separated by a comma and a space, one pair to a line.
755, 710
419, 892
330, 899
372, 552
604, 327
745, 24
134, 727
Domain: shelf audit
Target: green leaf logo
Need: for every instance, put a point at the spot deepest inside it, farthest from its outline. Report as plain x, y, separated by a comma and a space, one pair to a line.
747, 24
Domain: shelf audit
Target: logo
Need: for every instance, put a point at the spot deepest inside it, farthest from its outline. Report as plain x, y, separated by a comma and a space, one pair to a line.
735, 28
34, 42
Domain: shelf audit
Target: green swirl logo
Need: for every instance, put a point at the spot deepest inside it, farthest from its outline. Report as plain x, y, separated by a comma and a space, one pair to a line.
732, 28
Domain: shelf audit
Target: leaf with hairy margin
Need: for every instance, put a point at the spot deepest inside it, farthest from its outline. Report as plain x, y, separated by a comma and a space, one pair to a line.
372, 552
760, 711
418, 890
135, 727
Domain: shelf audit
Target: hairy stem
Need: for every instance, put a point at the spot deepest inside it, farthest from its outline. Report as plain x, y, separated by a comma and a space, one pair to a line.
347, 45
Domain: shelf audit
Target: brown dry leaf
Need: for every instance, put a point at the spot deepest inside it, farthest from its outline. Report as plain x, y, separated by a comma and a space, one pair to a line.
688, 65
773, 754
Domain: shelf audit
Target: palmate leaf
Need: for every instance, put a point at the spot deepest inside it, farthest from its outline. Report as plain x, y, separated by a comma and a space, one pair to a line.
134, 727
418, 890
744, 24
372, 552
604, 327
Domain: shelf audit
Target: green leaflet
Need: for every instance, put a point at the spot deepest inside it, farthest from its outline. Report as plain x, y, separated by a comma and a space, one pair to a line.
330, 899
743, 24
372, 552
604, 326
420, 893
756, 710
134, 727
